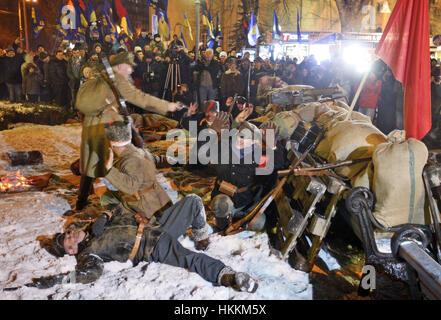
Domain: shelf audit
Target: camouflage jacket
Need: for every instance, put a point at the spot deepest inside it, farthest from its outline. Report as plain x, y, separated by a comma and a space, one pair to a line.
112, 240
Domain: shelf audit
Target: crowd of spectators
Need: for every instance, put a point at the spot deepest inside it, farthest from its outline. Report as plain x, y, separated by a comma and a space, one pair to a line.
217, 75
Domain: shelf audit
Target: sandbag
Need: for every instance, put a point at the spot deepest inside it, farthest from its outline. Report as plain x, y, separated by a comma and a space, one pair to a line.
350, 140
398, 182
311, 111
157, 122
287, 122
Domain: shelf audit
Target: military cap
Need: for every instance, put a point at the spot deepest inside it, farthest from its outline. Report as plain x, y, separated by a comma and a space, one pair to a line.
123, 57
119, 133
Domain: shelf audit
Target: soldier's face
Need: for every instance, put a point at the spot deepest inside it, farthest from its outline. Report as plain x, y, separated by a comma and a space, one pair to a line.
210, 116
71, 241
125, 69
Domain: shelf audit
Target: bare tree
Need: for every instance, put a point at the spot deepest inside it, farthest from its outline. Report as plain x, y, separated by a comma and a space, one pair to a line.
351, 13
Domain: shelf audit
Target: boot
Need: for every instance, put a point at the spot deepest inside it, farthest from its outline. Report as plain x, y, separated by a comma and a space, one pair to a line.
240, 281
86, 185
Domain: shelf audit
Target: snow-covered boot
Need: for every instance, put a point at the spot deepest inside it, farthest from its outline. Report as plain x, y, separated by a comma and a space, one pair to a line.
240, 281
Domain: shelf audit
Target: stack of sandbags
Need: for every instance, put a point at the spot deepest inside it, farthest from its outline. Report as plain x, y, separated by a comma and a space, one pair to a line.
398, 180
287, 122
351, 140
338, 111
311, 111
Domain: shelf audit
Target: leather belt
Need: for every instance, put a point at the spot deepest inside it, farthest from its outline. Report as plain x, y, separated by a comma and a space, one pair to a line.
142, 222
136, 195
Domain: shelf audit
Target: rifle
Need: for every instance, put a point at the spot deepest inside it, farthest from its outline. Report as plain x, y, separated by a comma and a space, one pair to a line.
109, 76
320, 169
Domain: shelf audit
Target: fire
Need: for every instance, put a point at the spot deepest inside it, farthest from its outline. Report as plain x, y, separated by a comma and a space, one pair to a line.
14, 181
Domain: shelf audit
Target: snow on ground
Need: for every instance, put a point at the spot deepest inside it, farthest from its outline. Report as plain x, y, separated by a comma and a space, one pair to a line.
25, 216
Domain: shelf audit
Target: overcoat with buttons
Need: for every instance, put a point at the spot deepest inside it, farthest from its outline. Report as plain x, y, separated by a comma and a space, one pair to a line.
97, 102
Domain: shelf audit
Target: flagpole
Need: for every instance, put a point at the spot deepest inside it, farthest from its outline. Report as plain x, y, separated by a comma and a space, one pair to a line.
357, 95
198, 16
25, 24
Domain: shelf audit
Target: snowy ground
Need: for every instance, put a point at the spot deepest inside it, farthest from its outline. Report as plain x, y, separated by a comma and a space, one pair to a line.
25, 216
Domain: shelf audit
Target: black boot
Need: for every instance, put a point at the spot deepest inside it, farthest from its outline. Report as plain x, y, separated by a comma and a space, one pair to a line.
86, 185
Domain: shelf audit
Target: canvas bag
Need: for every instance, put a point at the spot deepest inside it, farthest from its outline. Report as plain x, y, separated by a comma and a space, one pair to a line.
398, 180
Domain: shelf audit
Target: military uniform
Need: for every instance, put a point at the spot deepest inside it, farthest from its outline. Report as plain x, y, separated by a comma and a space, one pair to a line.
97, 102
134, 175
112, 239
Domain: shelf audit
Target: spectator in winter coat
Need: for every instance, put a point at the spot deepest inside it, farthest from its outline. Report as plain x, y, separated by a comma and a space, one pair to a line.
231, 81
43, 66
58, 79
158, 45
74, 66
12, 74
143, 39
209, 74
369, 96
107, 45
32, 82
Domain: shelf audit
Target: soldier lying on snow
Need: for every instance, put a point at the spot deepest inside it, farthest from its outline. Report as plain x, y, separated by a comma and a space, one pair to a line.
144, 230
118, 235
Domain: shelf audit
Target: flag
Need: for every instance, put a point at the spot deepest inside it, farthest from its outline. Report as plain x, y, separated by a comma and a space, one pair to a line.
66, 33
164, 26
405, 47
37, 22
218, 29
183, 39
188, 26
81, 20
299, 34
122, 14
208, 21
90, 13
253, 31
108, 25
205, 6
155, 24
158, 4
276, 27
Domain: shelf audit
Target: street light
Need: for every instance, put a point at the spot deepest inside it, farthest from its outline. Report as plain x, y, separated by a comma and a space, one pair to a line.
22, 8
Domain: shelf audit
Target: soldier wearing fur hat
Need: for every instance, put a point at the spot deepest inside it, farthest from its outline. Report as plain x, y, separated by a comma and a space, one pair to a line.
120, 236
238, 187
98, 103
231, 81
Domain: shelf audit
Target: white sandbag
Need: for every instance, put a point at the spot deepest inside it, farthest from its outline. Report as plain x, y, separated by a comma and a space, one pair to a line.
350, 140
287, 122
398, 183
310, 111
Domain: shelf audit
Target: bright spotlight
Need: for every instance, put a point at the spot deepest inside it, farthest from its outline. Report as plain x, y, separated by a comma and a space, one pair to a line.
358, 57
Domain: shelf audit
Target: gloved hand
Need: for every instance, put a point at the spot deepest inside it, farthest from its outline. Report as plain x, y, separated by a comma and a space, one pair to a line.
222, 121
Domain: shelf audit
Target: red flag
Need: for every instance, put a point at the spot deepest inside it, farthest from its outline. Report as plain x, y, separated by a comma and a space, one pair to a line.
405, 47
82, 5
120, 10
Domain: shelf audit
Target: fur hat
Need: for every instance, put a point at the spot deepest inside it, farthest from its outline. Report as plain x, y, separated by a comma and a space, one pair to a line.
56, 246
241, 100
123, 57
210, 105
119, 133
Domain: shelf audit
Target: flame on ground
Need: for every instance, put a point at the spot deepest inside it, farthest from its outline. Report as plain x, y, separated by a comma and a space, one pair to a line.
14, 181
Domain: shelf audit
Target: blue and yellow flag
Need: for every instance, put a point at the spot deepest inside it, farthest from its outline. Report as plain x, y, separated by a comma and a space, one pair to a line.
37, 22
81, 21
67, 31
90, 13
218, 29
108, 25
276, 27
163, 25
253, 31
183, 39
188, 26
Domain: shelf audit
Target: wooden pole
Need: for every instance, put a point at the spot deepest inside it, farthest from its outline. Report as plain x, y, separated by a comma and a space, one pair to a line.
25, 25
357, 95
